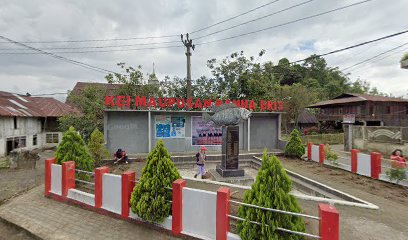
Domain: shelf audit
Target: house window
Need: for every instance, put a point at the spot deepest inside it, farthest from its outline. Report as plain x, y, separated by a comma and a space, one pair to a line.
388, 110
15, 122
51, 138
15, 142
371, 110
35, 140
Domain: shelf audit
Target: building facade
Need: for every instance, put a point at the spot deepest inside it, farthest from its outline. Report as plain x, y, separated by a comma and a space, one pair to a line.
368, 110
29, 122
137, 131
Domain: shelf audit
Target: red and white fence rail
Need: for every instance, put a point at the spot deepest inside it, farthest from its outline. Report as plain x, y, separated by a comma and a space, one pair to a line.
197, 213
369, 165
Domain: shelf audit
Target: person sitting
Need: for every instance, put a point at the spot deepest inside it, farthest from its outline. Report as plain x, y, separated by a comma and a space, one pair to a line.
120, 155
398, 160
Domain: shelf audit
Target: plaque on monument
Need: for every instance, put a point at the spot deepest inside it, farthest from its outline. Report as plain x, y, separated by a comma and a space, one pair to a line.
230, 153
228, 116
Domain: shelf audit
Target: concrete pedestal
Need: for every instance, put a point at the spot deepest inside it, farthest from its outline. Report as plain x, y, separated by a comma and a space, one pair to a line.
230, 153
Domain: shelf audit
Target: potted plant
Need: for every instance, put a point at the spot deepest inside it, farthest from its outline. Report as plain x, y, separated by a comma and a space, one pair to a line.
404, 61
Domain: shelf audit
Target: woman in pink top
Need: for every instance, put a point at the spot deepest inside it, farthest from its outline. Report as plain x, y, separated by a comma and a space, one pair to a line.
399, 161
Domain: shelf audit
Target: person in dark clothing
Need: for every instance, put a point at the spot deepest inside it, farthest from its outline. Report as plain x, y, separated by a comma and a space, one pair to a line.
120, 155
201, 158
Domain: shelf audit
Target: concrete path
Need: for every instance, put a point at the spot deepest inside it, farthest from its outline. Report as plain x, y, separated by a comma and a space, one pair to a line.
49, 219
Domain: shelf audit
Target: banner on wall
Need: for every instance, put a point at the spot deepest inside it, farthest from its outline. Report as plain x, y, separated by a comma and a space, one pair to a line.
170, 126
205, 133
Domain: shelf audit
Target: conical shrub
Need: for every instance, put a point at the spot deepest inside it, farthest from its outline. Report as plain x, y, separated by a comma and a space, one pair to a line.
73, 148
270, 190
295, 147
97, 148
151, 197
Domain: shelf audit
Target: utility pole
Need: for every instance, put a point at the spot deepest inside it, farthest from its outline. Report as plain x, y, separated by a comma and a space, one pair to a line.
188, 43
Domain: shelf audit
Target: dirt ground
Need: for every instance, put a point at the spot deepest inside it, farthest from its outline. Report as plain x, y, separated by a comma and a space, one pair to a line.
14, 182
389, 222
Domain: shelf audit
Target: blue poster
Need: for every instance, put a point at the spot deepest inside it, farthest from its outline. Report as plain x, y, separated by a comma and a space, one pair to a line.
170, 126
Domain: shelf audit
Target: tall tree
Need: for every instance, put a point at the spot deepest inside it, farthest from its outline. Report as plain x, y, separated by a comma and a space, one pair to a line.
90, 101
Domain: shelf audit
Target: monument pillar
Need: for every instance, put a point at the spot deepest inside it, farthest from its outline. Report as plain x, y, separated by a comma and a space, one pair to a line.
230, 153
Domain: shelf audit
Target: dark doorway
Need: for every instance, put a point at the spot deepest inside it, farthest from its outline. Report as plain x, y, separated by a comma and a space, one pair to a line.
9, 146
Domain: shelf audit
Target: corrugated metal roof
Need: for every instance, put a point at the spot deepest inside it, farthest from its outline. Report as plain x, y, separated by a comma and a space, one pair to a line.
25, 106
307, 117
353, 97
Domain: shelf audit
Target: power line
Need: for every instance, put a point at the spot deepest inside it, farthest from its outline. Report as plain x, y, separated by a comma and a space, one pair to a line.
100, 40
93, 47
256, 19
371, 58
353, 46
234, 17
379, 59
85, 65
286, 23
96, 51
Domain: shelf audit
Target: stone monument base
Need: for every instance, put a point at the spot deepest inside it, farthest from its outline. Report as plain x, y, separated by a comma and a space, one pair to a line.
239, 172
242, 180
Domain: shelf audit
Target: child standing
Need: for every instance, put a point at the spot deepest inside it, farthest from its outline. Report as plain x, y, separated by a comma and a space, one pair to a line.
200, 161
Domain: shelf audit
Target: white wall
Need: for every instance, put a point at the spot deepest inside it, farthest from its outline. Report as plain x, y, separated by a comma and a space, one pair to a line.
26, 126
167, 222
199, 213
82, 197
364, 164
112, 193
56, 179
315, 153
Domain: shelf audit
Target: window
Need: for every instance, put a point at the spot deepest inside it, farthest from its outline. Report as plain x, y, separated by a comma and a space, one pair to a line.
15, 122
371, 110
35, 140
15, 142
51, 138
388, 110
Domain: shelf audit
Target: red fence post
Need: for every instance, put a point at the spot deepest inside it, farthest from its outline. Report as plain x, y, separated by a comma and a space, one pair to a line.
309, 150
329, 222
222, 211
68, 177
354, 153
177, 206
322, 154
127, 187
375, 165
47, 177
98, 185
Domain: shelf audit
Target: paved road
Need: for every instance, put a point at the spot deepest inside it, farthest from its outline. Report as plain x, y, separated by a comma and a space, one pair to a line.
49, 219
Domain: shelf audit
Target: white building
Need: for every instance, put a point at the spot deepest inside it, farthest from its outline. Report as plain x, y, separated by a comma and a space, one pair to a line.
29, 122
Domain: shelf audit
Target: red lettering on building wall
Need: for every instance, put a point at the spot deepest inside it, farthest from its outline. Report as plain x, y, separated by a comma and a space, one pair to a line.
171, 102
198, 104
109, 101
252, 105
140, 101
190, 103
152, 102
162, 102
120, 101
181, 103
207, 103
262, 105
